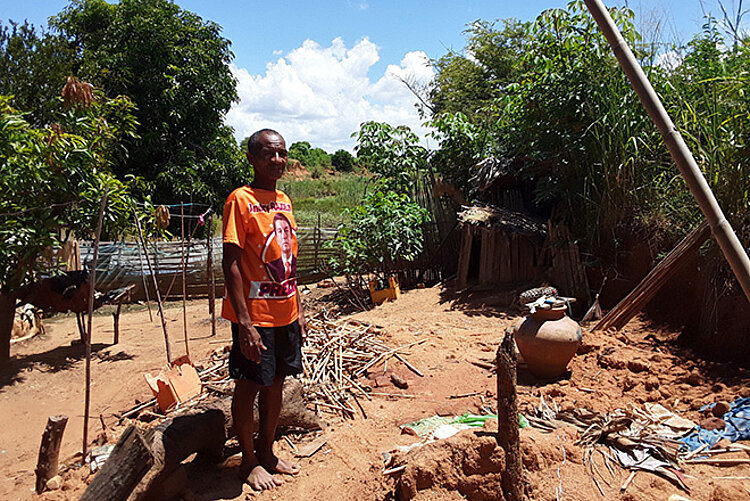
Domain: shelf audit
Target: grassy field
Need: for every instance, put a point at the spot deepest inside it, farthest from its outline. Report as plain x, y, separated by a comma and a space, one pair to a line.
327, 196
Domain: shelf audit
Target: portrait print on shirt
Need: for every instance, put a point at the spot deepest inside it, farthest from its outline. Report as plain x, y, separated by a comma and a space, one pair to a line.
279, 253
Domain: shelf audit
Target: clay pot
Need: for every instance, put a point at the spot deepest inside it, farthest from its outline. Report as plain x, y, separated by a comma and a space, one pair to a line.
547, 340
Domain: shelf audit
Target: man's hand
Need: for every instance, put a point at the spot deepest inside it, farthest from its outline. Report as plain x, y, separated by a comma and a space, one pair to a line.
302, 327
251, 344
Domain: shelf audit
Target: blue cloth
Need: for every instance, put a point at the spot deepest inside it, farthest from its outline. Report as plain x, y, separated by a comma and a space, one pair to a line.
737, 426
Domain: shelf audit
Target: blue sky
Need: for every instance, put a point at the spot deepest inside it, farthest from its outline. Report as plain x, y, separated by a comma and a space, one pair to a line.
315, 69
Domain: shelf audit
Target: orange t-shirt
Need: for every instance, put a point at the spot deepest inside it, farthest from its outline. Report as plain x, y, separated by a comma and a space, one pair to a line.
262, 224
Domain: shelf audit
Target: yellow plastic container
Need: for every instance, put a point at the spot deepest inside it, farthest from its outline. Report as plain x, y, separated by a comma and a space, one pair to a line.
392, 292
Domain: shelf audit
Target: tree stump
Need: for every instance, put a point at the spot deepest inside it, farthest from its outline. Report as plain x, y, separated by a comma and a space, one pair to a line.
507, 417
143, 460
49, 451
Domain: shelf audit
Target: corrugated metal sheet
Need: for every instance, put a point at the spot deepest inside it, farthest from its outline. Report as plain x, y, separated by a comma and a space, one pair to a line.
123, 263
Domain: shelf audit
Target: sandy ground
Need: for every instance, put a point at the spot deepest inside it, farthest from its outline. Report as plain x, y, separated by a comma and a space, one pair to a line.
639, 364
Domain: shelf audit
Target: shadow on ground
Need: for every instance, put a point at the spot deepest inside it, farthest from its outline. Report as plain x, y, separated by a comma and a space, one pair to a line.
57, 359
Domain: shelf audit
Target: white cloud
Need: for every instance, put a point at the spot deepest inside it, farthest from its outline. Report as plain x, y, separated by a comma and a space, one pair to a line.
669, 60
321, 94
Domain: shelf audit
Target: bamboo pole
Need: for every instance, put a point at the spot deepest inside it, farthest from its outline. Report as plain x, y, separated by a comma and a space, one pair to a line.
720, 227
145, 286
184, 300
156, 287
639, 297
211, 280
87, 334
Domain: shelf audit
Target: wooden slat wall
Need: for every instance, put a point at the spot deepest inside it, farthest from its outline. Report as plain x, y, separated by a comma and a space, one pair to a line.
504, 258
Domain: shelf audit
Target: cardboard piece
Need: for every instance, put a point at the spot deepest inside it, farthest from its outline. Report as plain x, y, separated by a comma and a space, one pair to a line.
175, 383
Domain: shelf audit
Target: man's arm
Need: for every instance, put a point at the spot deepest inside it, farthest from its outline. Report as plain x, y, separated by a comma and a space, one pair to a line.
301, 317
250, 342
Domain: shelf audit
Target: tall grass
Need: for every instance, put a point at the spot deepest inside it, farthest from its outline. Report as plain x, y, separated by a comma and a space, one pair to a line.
324, 197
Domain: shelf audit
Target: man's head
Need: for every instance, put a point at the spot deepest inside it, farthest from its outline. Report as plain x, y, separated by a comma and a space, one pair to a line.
266, 152
283, 230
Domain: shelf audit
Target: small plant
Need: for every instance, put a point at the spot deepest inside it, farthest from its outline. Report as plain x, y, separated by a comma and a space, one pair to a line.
382, 232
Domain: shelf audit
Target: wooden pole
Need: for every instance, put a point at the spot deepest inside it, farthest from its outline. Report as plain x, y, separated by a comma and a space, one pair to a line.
156, 287
211, 280
87, 334
507, 417
145, 286
116, 322
726, 237
184, 298
650, 285
49, 451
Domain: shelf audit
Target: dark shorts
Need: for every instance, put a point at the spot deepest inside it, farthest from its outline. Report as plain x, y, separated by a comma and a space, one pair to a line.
283, 356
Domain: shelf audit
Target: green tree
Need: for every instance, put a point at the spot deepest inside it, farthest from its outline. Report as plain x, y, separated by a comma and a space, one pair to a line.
343, 161
33, 68
316, 160
393, 154
175, 67
469, 81
51, 184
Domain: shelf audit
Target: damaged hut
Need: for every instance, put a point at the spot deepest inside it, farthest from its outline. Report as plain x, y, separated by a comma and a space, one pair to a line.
508, 239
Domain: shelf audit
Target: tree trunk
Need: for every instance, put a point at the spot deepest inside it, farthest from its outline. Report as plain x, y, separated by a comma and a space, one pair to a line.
49, 451
129, 462
142, 461
7, 313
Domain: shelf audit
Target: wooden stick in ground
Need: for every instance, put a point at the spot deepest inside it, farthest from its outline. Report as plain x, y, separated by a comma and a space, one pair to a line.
184, 298
116, 321
628, 481
156, 287
211, 284
507, 417
650, 285
49, 451
145, 285
92, 287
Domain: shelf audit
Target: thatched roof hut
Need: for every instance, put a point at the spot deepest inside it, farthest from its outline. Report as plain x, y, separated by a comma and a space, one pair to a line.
500, 246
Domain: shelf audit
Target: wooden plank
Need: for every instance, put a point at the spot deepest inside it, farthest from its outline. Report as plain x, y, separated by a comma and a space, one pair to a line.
311, 448
504, 258
650, 285
465, 256
485, 258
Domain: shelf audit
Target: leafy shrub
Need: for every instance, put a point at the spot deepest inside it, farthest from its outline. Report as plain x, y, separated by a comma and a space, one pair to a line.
381, 232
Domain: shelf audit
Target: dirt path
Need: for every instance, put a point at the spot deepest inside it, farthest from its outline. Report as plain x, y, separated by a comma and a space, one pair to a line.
638, 365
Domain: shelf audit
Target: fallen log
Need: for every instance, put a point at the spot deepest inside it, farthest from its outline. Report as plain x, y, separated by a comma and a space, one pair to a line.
143, 460
294, 411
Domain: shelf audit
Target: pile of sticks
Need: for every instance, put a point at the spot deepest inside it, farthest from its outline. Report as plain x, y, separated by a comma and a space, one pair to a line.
336, 353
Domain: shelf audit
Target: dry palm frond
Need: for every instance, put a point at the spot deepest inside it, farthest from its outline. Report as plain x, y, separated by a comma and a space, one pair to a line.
77, 93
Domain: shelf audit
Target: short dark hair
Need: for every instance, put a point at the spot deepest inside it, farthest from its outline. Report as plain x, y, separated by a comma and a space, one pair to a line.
253, 142
281, 217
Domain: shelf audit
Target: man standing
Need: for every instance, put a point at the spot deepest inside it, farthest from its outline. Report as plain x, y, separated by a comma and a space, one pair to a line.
268, 325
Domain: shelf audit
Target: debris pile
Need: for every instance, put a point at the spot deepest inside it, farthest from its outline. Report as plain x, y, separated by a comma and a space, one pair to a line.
335, 354
649, 438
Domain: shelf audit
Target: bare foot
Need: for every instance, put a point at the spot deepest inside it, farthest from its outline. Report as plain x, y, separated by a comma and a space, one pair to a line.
258, 478
278, 465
